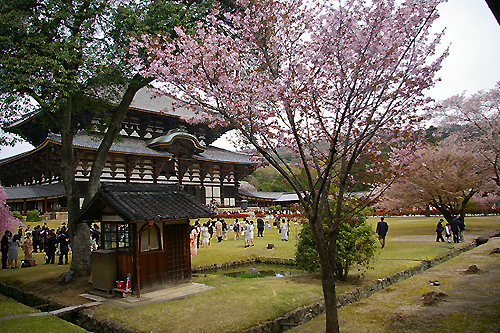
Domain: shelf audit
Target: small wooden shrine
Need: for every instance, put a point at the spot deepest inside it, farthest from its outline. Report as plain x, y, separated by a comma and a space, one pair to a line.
144, 235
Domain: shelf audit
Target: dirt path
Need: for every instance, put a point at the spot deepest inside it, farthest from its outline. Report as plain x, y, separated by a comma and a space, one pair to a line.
458, 302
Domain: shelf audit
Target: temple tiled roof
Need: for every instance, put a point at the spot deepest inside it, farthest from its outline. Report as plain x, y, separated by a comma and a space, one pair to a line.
139, 147
261, 195
270, 196
164, 104
288, 197
147, 202
124, 145
223, 155
35, 191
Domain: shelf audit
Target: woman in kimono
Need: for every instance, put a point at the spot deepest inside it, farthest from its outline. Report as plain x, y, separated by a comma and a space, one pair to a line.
284, 230
27, 247
193, 238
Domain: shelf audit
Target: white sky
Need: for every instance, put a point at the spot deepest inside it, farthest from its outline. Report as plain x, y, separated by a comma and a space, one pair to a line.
473, 64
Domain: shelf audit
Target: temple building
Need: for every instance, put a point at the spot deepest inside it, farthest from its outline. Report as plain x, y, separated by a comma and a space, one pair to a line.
155, 147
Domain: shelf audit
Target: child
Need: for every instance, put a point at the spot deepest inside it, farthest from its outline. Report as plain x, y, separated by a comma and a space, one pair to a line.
448, 232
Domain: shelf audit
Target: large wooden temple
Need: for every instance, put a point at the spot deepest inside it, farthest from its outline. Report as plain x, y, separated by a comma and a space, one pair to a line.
156, 147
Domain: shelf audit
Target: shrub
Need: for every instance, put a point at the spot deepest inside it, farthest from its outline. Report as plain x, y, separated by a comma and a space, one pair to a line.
33, 216
355, 245
17, 215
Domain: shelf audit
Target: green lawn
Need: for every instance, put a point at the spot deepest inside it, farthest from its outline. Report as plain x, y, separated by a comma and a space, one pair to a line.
236, 304
47, 323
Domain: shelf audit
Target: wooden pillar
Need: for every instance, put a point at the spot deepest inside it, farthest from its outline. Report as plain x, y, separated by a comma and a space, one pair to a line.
44, 205
24, 207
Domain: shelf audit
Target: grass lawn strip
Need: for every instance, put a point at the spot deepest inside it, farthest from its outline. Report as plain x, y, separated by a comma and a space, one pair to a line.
9, 307
38, 325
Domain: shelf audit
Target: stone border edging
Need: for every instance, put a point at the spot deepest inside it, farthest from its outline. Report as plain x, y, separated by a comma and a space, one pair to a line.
240, 262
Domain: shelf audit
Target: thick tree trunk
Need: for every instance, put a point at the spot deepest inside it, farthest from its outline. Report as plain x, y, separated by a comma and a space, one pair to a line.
332, 321
449, 212
81, 263
326, 252
112, 131
78, 234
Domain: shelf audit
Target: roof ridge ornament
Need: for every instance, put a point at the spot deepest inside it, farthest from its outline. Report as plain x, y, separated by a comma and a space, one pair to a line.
178, 139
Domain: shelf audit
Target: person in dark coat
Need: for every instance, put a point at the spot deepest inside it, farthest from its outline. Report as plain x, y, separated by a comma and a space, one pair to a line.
439, 231
461, 228
454, 224
50, 247
37, 244
260, 227
382, 228
5, 247
63, 242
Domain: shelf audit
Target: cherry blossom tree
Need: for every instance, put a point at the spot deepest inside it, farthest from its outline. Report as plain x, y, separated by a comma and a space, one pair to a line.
7, 221
334, 82
480, 116
445, 177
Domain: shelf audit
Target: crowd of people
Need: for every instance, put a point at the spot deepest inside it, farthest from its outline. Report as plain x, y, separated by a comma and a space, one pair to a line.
202, 234
40, 239
455, 227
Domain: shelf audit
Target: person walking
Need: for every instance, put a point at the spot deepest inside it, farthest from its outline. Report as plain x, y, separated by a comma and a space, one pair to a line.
250, 232
12, 254
439, 231
260, 227
218, 231
224, 230
205, 235
5, 247
447, 232
461, 228
236, 229
193, 239
27, 246
50, 247
63, 242
455, 229
382, 228
284, 230
197, 226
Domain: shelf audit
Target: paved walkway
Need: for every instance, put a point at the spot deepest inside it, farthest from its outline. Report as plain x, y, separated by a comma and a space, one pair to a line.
168, 294
53, 313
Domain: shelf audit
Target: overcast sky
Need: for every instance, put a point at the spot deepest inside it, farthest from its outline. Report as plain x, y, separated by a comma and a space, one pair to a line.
473, 64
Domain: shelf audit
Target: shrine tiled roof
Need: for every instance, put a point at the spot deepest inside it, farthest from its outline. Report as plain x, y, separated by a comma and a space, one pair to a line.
147, 202
35, 191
